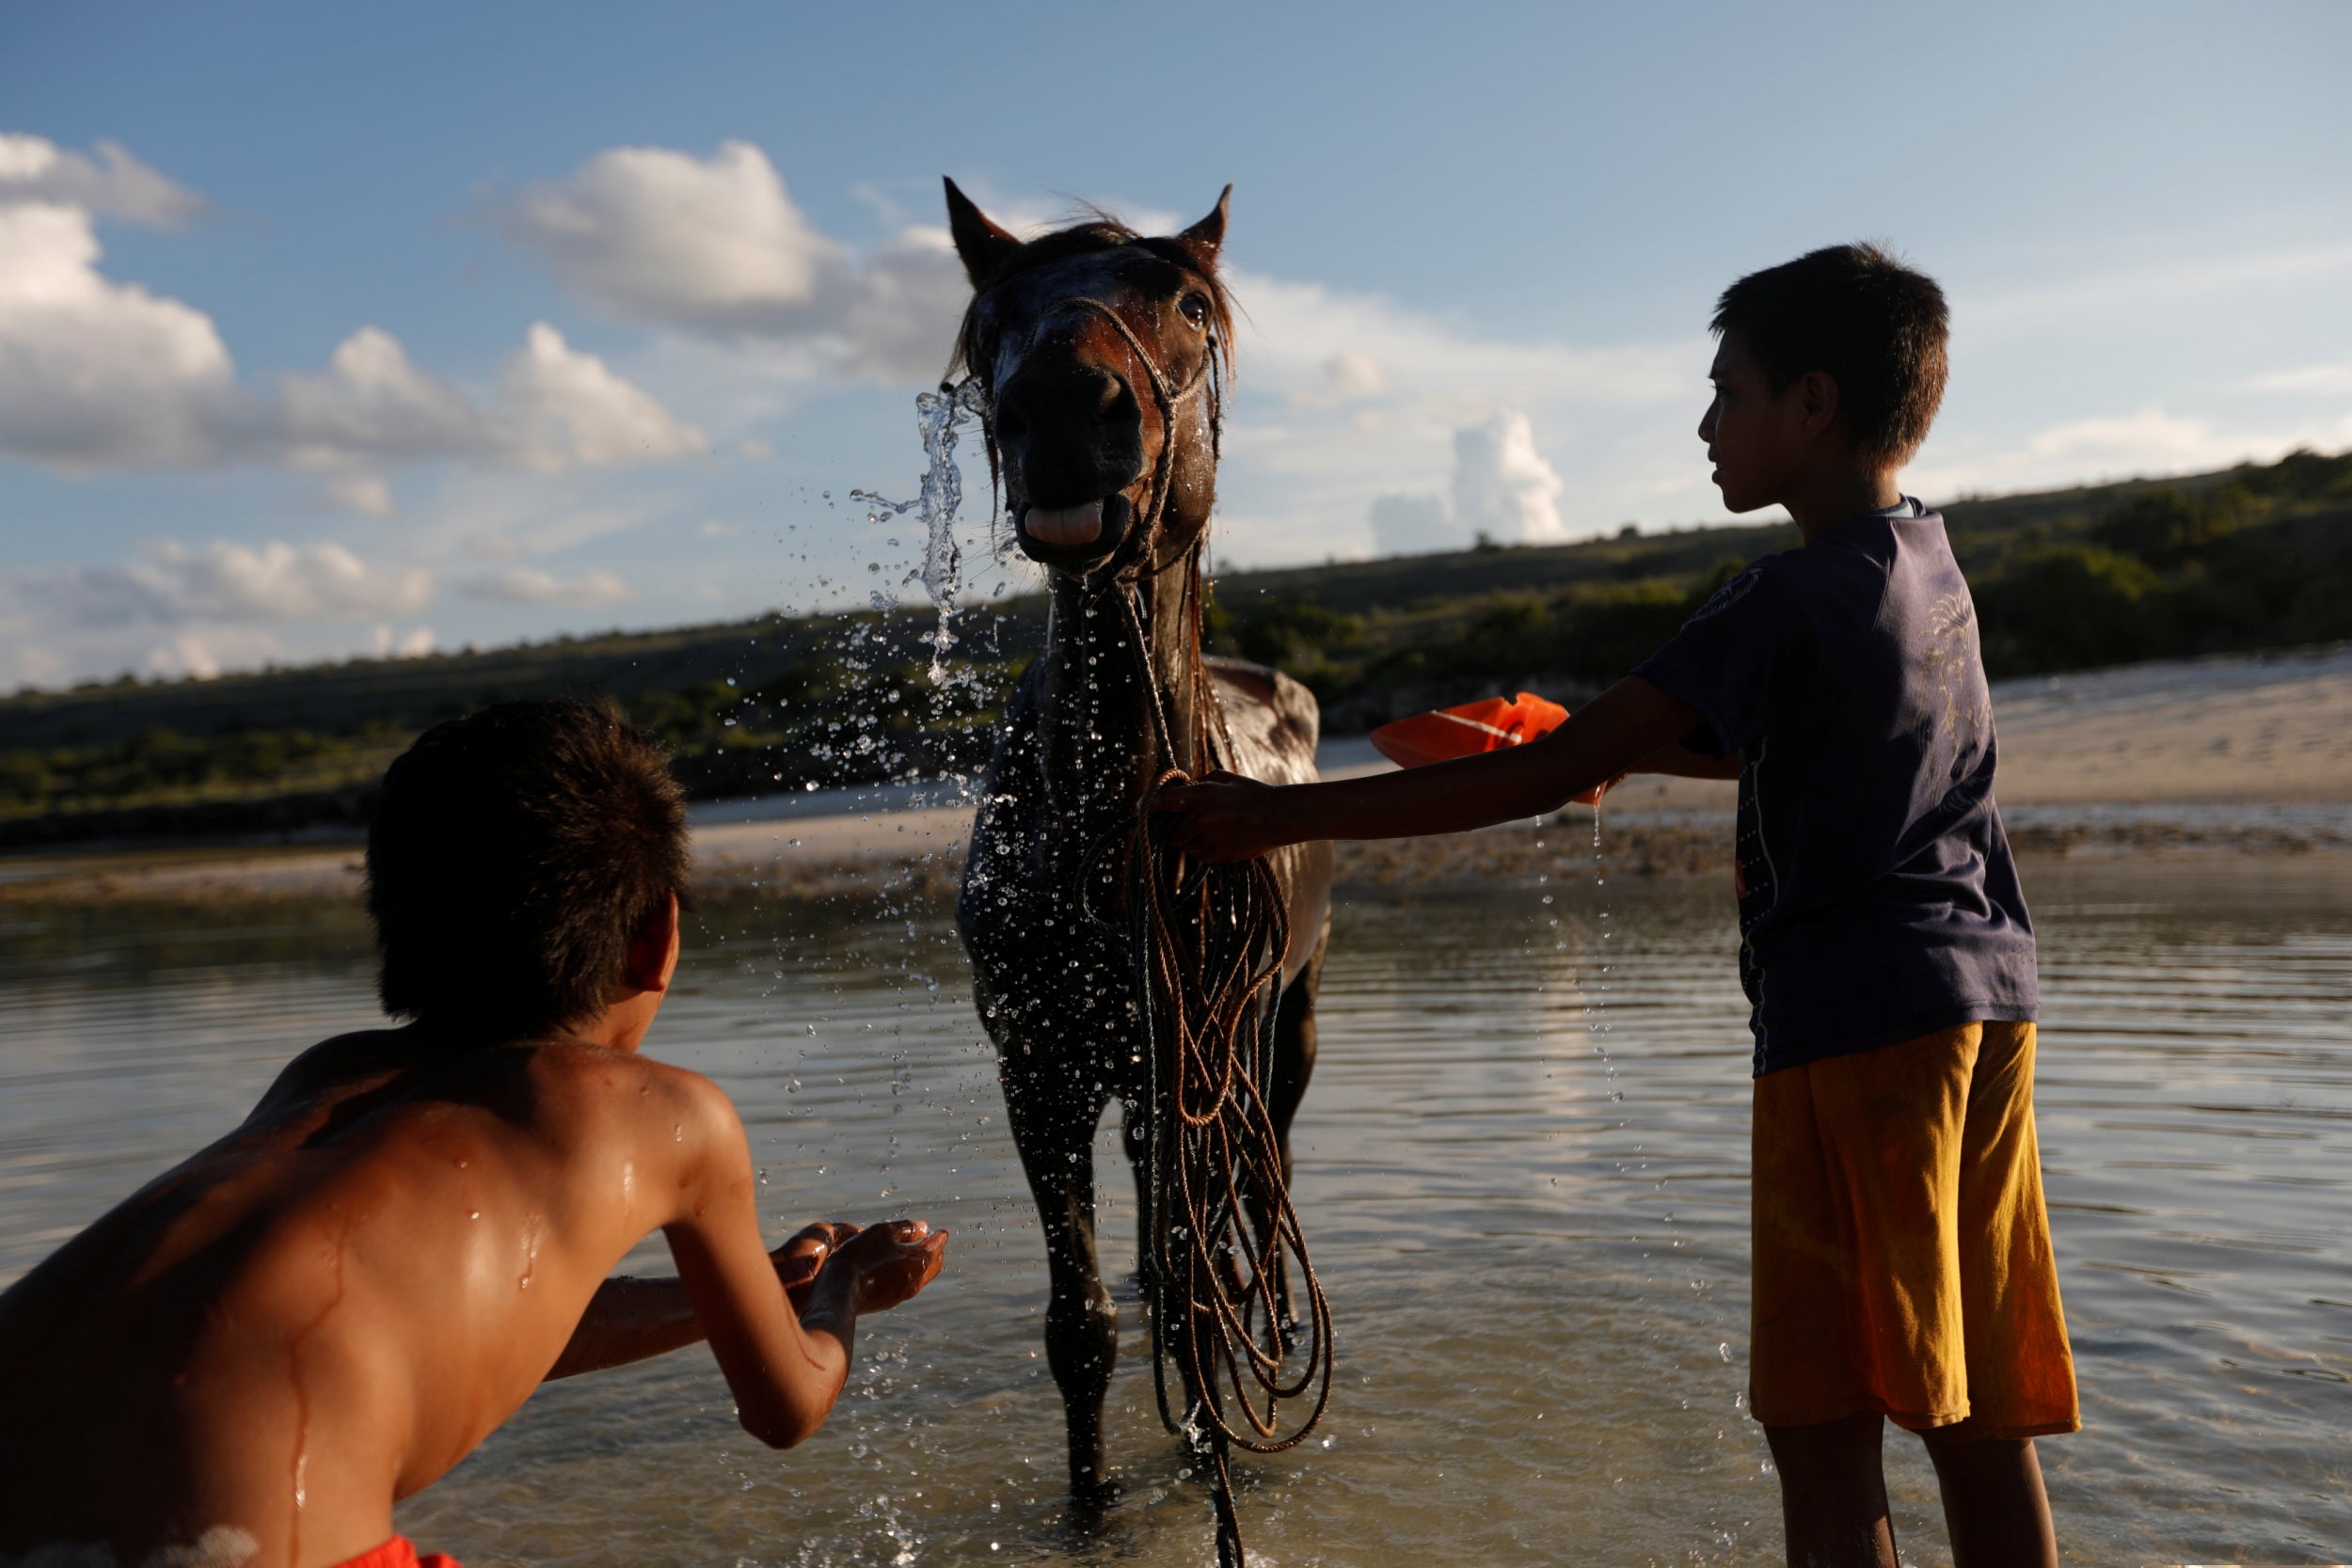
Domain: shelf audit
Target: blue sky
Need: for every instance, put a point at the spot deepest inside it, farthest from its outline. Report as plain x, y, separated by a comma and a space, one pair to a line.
416, 326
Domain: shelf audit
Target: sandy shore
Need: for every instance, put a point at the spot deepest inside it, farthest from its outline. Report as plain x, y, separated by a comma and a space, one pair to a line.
2244, 754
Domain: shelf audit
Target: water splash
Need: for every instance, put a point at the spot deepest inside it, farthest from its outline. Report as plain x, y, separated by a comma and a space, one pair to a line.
938, 417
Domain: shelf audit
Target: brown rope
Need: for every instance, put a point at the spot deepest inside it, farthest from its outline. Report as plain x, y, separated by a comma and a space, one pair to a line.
1223, 1237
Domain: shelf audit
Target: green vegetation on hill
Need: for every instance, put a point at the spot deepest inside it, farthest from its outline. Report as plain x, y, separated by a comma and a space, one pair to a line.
2256, 557
748, 707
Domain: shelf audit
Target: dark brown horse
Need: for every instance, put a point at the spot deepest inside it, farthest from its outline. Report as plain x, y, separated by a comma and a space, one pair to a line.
1100, 353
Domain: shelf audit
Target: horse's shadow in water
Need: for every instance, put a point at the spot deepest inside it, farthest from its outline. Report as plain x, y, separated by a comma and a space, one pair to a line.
1100, 353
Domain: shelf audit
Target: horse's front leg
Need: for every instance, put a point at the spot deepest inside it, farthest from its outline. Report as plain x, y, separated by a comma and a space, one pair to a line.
1054, 1117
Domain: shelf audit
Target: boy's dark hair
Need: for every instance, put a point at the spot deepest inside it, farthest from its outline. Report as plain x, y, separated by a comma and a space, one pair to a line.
515, 855
1875, 326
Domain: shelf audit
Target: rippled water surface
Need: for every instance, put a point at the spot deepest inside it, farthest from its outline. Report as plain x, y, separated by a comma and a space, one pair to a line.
1523, 1171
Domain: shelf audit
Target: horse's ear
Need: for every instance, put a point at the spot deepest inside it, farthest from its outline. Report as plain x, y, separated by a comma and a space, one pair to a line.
982, 244
1207, 237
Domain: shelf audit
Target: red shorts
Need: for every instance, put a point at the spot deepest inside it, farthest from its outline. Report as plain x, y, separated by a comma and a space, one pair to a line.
400, 1552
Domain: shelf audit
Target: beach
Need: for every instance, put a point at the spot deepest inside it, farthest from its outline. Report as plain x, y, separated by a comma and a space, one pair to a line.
2230, 754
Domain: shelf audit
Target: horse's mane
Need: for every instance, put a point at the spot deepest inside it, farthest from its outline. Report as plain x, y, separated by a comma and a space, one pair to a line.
1103, 231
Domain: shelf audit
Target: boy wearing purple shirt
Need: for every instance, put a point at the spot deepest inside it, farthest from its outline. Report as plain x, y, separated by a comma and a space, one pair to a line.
1902, 1248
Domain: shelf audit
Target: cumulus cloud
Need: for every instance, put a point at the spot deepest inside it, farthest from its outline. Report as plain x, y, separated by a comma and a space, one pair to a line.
95, 374
176, 609
562, 407
529, 585
1502, 487
1344, 397
371, 404
716, 246
98, 374
1349, 412
664, 236
36, 169
167, 583
1503, 490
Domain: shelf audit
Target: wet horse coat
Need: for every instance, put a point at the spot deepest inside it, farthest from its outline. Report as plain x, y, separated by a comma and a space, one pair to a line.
1098, 349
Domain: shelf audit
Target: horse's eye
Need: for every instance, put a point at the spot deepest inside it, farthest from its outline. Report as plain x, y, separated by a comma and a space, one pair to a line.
1195, 308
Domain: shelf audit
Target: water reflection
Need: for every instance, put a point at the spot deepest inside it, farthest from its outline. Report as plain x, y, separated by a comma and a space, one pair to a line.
1536, 1250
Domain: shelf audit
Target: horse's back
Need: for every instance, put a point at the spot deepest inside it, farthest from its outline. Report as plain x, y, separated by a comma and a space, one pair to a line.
1274, 724
1274, 721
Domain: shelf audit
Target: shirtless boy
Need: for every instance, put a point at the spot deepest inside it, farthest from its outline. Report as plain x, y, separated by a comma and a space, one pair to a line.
1902, 1251
255, 1355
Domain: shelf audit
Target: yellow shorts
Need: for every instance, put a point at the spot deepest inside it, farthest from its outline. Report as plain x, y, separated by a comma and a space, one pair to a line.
1902, 1254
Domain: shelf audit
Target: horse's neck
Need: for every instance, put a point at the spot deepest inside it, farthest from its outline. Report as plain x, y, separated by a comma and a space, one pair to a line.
1103, 705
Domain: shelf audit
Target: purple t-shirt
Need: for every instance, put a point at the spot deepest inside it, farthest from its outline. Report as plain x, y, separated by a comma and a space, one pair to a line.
1878, 900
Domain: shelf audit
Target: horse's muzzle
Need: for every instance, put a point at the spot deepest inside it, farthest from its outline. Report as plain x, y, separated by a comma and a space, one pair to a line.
1058, 545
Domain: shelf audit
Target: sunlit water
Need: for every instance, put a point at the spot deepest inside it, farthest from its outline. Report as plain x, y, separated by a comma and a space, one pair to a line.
1536, 1250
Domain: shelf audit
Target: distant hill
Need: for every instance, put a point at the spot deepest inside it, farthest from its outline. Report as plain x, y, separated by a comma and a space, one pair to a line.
2253, 557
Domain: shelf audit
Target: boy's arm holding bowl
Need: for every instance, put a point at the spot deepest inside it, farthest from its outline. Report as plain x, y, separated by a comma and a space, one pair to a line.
1679, 762
1621, 731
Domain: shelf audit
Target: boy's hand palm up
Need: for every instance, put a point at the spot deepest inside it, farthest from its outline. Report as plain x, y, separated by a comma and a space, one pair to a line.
893, 1261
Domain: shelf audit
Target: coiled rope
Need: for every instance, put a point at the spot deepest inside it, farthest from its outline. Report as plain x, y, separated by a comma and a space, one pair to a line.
1225, 1248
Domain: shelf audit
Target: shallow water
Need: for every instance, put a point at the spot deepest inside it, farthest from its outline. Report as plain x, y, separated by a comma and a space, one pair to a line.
1522, 1169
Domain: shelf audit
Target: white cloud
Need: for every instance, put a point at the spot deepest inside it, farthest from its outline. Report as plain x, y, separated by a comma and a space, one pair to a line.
167, 583
2147, 443
415, 643
1345, 399
562, 407
529, 585
177, 609
1502, 487
369, 405
1353, 375
2319, 381
206, 654
97, 374
716, 248
663, 236
36, 169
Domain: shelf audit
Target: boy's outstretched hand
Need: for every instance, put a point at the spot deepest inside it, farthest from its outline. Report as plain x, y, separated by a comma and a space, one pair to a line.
1633, 725
801, 1257
1225, 817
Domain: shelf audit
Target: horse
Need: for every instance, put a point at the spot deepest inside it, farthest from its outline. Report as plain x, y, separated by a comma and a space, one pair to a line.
1101, 356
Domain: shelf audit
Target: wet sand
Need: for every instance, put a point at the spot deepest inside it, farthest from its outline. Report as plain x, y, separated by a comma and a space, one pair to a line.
2239, 754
